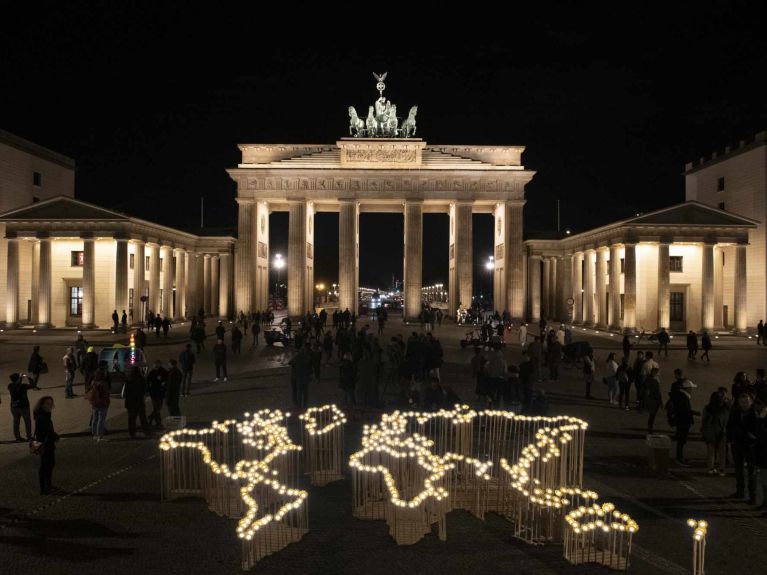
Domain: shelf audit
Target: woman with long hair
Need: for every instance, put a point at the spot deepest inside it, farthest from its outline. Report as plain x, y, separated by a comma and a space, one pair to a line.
47, 438
713, 426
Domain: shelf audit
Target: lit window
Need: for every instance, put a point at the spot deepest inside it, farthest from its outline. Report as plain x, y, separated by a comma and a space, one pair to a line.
77, 259
720, 184
75, 301
146, 263
675, 263
131, 260
37, 179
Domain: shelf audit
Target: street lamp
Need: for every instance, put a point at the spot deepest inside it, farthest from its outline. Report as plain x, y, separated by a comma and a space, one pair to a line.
278, 264
490, 265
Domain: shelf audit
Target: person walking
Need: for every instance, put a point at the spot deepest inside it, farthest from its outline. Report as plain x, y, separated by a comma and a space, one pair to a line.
740, 444
98, 397
653, 398
663, 341
173, 387
45, 438
682, 417
588, 371
692, 345
135, 403
156, 379
713, 427
70, 367
554, 358
705, 343
37, 365
347, 376
17, 389
610, 378
186, 360
255, 330
623, 376
236, 340
219, 359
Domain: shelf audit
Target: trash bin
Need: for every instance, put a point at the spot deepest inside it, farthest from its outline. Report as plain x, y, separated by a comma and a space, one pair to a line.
658, 446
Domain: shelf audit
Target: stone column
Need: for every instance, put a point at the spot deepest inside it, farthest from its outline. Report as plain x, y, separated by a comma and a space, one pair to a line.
167, 281
545, 297
12, 293
707, 287
460, 257
566, 284
553, 288
199, 288
89, 283
741, 289
413, 259
139, 267
578, 287
601, 288
260, 271
121, 275
664, 285
629, 287
718, 289
348, 260
35, 283
206, 284
180, 312
191, 285
534, 283
244, 260
515, 287
297, 245
588, 288
44, 285
214, 285
615, 287
154, 278
224, 305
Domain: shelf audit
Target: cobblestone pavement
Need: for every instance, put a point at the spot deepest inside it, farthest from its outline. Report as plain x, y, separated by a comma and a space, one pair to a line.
109, 517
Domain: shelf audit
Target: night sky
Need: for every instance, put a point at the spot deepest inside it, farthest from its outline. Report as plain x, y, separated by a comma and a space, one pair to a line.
151, 102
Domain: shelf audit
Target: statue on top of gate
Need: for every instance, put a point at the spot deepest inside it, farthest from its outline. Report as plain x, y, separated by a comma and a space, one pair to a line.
382, 120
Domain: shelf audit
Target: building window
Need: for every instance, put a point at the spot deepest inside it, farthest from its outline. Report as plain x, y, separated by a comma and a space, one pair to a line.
130, 300
623, 267
622, 297
677, 306
131, 260
721, 205
37, 179
675, 263
720, 184
146, 263
77, 259
75, 301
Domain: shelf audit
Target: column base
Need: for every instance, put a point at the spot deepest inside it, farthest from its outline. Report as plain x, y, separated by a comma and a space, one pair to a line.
11, 325
43, 326
737, 331
91, 326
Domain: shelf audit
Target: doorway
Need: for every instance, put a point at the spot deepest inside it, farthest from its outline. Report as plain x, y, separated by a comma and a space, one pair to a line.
677, 310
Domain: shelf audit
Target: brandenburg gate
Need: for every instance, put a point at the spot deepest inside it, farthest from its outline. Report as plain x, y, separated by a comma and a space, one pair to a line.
380, 167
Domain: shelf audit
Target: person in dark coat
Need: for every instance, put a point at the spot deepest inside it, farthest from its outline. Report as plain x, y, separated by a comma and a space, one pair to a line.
89, 366
173, 387
301, 376
156, 379
663, 341
692, 345
705, 342
135, 390
236, 340
737, 437
36, 363
47, 437
219, 359
18, 389
347, 376
683, 415
653, 398
757, 432
526, 380
186, 361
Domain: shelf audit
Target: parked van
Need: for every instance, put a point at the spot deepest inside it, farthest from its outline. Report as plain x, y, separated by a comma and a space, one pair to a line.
119, 358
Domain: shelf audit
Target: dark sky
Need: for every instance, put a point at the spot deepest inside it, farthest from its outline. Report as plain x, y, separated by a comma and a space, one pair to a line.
152, 100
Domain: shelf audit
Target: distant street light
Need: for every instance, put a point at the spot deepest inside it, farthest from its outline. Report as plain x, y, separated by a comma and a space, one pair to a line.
278, 264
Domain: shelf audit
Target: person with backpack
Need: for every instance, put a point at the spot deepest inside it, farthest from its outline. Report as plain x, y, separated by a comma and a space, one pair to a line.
18, 389
70, 366
681, 416
713, 427
98, 397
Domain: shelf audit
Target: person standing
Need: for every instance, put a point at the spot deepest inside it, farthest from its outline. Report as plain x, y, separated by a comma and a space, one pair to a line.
626, 345
46, 437
17, 390
554, 358
255, 330
740, 443
89, 366
648, 365
98, 397
713, 427
683, 417
173, 388
692, 345
186, 360
347, 376
653, 398
758, 430
610, 379
156, 379
588, 371
70, 366
135, 402
623, 375
220, 330
663, 341
760, 333
219, 359
705, 343
115, 321
124, 322
523, 335
236, 340
37, 365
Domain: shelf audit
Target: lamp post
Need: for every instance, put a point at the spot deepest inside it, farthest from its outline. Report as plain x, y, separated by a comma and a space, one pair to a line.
278, 264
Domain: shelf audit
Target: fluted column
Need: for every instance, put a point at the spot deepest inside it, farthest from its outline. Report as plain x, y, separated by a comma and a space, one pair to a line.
199, 288
191, 285
244, 256
588, 287
601, 288
89, 282
214, 285
206, 284
348, 257
460, 263
139, 281
35, 284
629, 287
154, 278
566, 283
167, 281
615, 287
180, 311
664, 285
44, 286
413, 259
534, 283
297, 244
12, 290
553, 288
707, 287
545, 297
740, 289
121, 275
515, 285
578, 287
224, 297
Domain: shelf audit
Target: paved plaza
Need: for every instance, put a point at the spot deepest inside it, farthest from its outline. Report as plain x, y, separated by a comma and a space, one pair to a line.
109, 517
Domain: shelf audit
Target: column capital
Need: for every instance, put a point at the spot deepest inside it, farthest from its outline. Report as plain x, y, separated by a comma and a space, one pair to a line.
206, 256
